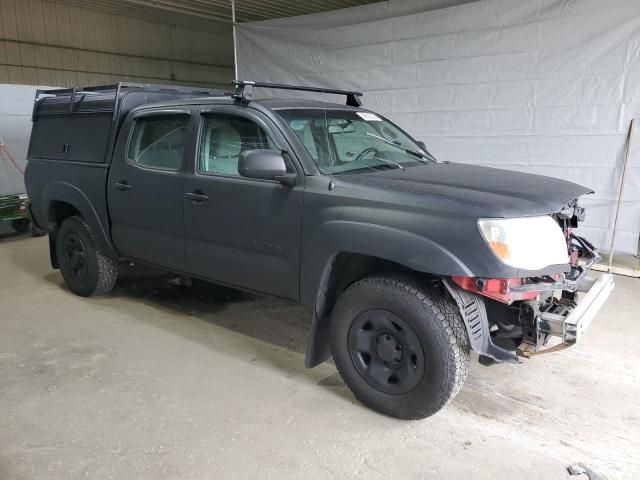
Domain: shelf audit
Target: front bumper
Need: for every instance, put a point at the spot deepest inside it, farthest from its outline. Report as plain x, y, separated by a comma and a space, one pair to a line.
569, 320
551, 313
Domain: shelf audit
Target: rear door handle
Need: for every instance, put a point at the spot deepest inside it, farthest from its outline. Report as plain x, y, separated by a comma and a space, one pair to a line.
196, 197
122, 186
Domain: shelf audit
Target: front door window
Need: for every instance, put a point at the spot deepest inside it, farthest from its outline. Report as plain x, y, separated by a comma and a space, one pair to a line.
224, 137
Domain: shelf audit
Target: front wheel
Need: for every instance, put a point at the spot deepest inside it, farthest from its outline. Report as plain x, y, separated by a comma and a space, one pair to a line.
85, 269
399, 345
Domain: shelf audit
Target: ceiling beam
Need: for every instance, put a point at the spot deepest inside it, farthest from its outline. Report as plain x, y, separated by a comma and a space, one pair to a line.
202, 12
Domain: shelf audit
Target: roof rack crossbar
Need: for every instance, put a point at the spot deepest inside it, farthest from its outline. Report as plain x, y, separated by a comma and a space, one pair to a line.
244, 91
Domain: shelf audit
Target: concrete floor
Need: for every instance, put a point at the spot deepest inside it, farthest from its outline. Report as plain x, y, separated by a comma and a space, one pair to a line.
157, 381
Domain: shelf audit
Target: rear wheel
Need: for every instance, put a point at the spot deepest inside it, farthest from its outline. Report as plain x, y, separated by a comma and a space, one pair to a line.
399, 345
85, 269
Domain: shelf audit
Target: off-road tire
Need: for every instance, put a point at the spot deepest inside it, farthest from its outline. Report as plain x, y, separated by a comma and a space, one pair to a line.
99, 271
435, 320
20, 225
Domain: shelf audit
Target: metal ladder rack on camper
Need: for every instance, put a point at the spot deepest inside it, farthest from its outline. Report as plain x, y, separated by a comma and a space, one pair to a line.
78, 94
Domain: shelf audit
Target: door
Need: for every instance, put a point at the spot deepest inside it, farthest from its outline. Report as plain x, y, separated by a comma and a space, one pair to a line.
241, 231
145, 188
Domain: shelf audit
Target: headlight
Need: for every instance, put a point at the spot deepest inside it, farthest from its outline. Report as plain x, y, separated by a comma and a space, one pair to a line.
529, 243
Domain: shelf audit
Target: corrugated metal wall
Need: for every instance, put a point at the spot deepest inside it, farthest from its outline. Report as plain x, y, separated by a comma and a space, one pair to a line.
47, 43
51, 44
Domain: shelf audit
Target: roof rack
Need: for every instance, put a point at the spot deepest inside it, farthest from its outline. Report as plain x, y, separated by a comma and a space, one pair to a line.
118, 88
140, 87
244, 91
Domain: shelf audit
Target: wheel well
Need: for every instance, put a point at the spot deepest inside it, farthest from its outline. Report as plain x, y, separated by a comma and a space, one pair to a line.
346, 269
59, 211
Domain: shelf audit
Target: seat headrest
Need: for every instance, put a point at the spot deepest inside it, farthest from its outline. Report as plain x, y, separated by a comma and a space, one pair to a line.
227, 142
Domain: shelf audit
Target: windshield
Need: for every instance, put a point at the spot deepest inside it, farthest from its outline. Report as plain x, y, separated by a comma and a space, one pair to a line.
348, 140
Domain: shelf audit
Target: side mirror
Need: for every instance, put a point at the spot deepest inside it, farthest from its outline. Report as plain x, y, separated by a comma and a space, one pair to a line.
265, 165
421, 145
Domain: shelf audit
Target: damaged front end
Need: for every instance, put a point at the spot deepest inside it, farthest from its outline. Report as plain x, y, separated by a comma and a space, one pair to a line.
511, 317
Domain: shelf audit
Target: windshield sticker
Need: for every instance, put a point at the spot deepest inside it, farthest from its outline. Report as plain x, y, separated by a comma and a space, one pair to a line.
369, 117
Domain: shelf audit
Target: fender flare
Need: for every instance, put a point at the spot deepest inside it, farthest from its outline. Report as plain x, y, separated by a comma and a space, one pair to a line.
408, 249
68, 193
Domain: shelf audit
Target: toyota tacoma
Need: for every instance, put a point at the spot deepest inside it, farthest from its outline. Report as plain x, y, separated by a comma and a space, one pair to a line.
405, 263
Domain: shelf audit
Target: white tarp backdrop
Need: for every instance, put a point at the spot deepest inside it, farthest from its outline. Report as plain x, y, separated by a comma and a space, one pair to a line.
541, 86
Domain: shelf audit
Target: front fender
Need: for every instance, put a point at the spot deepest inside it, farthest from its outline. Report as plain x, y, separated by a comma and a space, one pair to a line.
413, 251
334, 237
406, 248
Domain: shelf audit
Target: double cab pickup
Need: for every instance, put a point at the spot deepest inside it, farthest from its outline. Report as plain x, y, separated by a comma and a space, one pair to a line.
405, 263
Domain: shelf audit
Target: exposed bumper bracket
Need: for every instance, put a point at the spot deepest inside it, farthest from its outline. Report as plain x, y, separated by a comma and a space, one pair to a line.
570, 324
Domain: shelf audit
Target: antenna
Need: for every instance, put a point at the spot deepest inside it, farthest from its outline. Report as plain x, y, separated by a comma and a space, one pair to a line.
324, 110
235, 42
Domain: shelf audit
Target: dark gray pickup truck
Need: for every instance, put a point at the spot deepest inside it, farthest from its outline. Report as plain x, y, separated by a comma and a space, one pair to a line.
406, 263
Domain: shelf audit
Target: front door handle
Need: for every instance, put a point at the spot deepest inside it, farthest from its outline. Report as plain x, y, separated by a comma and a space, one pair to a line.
122, 185
197, 196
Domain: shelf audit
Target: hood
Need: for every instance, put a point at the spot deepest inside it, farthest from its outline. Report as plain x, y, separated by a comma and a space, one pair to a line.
502, 193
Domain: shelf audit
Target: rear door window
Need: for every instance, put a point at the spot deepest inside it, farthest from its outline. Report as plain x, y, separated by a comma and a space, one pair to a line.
158, 142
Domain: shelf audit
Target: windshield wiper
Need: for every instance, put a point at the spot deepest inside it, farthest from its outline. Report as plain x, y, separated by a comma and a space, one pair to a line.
389, 162
375, 168
415, 153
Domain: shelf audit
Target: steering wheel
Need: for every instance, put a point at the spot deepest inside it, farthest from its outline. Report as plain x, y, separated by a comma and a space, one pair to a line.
364, 152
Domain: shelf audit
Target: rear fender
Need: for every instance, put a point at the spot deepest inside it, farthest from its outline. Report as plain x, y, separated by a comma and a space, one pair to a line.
72, 195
